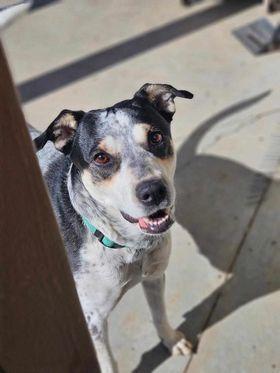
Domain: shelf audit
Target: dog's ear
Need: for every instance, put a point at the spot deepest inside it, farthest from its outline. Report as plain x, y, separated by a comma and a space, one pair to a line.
161, 96
61, 131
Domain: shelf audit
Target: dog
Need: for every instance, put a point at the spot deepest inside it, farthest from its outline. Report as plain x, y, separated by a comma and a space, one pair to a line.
109, 173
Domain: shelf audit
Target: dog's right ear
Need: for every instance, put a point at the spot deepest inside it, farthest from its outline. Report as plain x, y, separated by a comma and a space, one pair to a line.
61, 131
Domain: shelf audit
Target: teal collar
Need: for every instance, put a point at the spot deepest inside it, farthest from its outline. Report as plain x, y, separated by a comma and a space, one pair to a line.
103, 239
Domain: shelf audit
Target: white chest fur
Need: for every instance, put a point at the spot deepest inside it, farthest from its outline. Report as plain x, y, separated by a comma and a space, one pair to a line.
106, 274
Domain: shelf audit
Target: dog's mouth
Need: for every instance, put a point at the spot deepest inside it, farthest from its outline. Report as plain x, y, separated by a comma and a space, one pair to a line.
156, 223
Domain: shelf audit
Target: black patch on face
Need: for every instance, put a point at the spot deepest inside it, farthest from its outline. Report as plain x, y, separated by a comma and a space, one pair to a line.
104, 172
86, 145
98, 124
158, 123
163, 150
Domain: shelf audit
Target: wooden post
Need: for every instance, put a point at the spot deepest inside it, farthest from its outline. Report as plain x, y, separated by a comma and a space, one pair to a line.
42, 328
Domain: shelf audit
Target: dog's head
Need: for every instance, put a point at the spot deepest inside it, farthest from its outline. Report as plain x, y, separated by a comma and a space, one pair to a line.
125, 155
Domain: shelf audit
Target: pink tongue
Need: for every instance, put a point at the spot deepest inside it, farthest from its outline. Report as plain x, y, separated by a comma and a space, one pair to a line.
142, 223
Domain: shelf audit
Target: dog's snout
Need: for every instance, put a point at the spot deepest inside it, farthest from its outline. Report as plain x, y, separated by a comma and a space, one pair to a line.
151, 192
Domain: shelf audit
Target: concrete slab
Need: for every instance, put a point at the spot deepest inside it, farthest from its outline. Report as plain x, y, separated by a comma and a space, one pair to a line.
243, 332
90, 54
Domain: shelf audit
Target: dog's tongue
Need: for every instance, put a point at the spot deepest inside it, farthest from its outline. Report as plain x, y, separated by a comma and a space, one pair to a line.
143, 223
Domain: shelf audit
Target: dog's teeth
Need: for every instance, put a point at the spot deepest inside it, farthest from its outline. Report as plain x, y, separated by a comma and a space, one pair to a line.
155, 223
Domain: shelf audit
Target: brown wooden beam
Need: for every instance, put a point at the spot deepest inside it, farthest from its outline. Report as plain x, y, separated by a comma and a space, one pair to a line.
42, 328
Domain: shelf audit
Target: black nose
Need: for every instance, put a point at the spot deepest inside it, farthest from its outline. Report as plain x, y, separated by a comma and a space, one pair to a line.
151, 192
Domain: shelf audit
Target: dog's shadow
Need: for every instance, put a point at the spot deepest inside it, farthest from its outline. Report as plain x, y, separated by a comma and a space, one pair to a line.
215, 205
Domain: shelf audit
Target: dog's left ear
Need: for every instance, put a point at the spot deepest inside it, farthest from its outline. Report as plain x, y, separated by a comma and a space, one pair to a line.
161, 96
61, 131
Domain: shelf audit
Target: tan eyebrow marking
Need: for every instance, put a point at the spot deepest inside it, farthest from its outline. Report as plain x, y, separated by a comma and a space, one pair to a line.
110, 145
140, 132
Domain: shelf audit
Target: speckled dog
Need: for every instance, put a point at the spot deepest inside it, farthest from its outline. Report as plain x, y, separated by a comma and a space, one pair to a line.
110, 178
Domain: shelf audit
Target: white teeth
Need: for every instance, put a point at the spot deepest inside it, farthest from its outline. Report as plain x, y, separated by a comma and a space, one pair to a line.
156, 222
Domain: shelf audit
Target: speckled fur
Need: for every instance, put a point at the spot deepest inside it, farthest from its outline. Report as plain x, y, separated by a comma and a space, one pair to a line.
79, 188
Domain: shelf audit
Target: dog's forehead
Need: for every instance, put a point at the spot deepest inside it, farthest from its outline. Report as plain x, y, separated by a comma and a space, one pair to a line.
118, 121
126, 119
122, 128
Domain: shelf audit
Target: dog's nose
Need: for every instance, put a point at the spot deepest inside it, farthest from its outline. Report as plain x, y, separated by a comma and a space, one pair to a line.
151, 192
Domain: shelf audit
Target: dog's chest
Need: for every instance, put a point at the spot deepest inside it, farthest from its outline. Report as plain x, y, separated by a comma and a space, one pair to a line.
122, 268
104, 275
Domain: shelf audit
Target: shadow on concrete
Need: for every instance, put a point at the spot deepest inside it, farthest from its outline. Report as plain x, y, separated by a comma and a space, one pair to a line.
190, 2
214, 205
36, 4
108, 57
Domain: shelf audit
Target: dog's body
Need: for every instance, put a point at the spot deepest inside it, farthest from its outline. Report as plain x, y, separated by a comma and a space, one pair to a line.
114, 168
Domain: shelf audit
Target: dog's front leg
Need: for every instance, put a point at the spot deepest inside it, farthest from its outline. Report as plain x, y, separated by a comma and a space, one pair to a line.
99, 332
174, 340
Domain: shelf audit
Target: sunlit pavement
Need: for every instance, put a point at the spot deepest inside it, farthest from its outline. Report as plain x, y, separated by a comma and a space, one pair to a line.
223, 280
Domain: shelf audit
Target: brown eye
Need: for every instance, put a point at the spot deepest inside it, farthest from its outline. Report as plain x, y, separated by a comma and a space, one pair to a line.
101, 158
155, 137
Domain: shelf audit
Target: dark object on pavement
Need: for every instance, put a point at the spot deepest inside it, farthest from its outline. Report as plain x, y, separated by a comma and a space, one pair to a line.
259, 36
273, 5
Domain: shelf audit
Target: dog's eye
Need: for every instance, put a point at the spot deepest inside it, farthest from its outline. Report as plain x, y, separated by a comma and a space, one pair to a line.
101, 158
155, 137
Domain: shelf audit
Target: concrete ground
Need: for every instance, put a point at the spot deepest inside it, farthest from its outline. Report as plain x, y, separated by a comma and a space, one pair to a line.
223, 280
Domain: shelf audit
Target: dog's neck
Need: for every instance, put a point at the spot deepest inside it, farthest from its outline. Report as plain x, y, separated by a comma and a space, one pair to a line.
105, 218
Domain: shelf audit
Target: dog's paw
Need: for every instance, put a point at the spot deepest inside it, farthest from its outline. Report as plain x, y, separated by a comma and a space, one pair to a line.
177, 344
